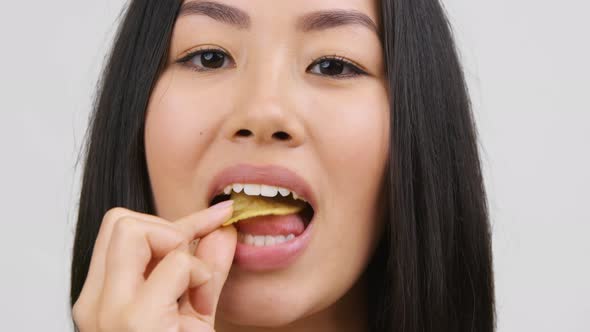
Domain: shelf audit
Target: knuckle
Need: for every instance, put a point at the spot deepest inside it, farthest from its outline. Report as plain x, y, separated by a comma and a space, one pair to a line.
126, 226
203, 266
181, 258
115, 213
112, 216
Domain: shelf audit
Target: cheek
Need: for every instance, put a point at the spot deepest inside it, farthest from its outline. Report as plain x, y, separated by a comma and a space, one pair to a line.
178, 129
354, 151
353, 143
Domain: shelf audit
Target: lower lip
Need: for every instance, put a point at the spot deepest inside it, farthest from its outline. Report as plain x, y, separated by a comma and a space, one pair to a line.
278, 256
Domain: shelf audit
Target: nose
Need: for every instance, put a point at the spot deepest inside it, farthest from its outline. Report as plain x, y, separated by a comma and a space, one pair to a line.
265, 112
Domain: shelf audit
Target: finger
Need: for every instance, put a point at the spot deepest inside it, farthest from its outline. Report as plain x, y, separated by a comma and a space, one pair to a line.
217, 251
205, 221
134, 243
95, 280
200, 224
96, 271
175, 273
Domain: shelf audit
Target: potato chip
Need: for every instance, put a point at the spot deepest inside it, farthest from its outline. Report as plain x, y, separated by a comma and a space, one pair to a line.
253, 206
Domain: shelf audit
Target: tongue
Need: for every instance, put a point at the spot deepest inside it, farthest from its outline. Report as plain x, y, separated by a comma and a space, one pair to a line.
272, 225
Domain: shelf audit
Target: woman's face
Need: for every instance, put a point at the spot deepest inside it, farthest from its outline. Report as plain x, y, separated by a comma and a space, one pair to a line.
265, 97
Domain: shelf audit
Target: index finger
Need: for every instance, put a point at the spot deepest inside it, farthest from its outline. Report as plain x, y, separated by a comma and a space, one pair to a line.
205, 221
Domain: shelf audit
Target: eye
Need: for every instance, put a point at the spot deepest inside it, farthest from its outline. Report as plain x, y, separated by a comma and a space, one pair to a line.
335, 67
332, 66
205, 59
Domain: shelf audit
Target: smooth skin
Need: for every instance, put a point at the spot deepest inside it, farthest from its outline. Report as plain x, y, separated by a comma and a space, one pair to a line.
270, 103
333, 132
141, 268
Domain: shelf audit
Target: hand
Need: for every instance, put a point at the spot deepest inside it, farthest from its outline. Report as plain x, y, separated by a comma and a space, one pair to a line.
142, 276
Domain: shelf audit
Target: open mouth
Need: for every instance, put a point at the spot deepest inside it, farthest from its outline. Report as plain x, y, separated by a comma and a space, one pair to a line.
252, 201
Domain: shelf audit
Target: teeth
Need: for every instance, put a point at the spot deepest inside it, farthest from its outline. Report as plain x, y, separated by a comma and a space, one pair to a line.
227, 190
260, 190
268, 191
263, 240
237, 187
269, 240
252, 189
249, 239
259, 240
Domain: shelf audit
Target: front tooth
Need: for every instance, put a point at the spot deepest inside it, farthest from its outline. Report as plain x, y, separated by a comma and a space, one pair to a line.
268, 191
284, 192
269, 240
227, 190
259, 240
237, 187
252, 189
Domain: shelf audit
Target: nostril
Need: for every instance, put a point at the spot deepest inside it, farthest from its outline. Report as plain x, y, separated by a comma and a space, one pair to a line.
281, 135
244, 132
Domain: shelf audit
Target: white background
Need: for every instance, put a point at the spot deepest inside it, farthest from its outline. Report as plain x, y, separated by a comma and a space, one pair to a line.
526, 62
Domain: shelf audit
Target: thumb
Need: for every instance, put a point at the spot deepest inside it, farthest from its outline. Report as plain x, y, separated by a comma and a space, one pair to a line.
217, 250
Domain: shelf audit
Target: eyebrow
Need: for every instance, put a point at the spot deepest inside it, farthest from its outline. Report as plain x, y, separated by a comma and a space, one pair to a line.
217, 11
314, 21
326, 19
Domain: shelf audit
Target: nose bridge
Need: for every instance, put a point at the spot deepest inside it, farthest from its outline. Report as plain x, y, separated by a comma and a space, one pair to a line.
266, 79
264, 111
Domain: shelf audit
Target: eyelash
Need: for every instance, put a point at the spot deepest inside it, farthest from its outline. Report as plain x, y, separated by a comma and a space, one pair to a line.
355, 70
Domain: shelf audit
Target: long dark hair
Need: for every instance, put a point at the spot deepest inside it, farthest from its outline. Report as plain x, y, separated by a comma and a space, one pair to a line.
432, 270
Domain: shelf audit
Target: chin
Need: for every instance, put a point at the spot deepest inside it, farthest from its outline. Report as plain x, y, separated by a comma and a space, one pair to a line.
275, 318
260, 303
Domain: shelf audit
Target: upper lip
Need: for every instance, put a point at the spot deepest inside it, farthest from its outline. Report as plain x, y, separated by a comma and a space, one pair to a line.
272, 175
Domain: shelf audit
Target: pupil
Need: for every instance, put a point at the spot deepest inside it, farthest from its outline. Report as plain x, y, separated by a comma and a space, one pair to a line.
212, 59
329, 67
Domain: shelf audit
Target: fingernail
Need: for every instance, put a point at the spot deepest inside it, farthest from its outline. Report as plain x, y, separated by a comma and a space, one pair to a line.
222, 205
